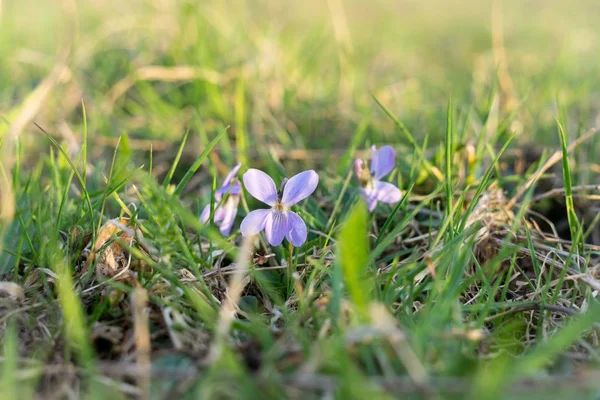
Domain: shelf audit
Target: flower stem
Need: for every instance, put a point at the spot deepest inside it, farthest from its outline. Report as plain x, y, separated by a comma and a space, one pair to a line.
290, 268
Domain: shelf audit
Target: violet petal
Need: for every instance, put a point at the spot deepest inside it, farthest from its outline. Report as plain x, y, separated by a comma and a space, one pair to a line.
254, 222
229, 214
260, 186
218, 214
297, 227
276, 227
383, 162
299, 187
358, 167
233, 189
374, 159
387, 193
370, 198
205, 215
232, 174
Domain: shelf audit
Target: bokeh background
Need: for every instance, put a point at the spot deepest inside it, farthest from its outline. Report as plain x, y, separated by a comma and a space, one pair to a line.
300, 75
301, 85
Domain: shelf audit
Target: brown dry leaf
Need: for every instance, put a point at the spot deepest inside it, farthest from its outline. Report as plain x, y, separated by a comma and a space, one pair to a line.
113, 258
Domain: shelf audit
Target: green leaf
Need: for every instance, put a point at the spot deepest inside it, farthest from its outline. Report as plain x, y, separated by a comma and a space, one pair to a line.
353, 254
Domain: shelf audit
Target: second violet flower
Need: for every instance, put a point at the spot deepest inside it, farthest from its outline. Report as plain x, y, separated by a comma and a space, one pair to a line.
373, 188
279, 221
227, 199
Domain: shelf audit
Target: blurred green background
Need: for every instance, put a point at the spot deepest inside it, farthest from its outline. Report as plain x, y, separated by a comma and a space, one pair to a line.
299, 74
297, 80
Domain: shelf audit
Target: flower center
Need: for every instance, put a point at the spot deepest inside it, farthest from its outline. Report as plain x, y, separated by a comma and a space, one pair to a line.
366, 181
279, 207
365, 178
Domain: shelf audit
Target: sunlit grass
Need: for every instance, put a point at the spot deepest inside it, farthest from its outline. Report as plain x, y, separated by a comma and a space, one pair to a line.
480, 282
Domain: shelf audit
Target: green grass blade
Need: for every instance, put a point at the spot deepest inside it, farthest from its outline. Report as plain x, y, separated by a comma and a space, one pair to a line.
171, 172
572, 219
390, 217
190, 172
486, 181
241, 135
410, 138
86, 195
449, 158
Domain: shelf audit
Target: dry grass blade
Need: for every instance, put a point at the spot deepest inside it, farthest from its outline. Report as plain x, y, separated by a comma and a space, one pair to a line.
165, 74
139, 303
234, 292
509, 101
30, 108
561, 192
386, 324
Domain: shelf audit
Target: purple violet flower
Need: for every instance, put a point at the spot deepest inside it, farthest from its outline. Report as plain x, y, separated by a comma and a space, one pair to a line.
372, 188
278, 221
227, 198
